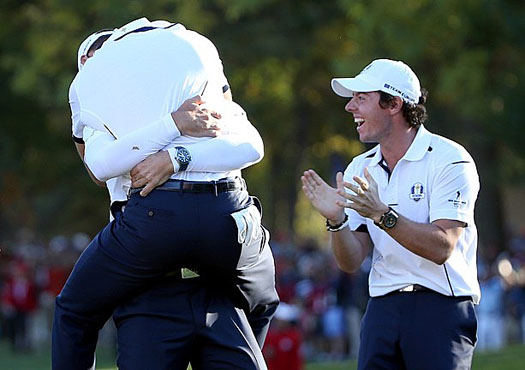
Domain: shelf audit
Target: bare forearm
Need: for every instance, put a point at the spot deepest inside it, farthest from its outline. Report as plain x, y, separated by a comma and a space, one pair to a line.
350, 249
429, 241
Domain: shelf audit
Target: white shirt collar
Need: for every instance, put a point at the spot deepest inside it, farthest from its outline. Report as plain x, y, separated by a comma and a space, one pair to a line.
416, 151
419, 146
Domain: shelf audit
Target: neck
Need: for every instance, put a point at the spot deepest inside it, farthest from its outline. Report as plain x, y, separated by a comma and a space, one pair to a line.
397, 144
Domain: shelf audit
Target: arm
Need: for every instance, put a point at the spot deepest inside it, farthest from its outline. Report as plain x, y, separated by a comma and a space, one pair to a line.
241, 146
79, 132
434, 241
81, 150
239, 149
350, 247
109, 157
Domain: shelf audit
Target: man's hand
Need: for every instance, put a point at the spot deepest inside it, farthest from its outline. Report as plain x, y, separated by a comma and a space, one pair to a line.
193, 119
323, 197
366, 199
153, 171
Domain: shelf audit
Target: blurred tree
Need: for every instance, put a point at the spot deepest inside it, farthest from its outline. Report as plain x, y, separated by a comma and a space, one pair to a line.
279, 57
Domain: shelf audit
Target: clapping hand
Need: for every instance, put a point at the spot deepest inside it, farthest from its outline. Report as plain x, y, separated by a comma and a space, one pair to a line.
364, 198
326, 199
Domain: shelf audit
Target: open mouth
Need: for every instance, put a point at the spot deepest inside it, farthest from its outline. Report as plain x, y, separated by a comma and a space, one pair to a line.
359, 122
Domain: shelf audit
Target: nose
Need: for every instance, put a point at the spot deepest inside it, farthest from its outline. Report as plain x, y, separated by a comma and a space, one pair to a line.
350, 106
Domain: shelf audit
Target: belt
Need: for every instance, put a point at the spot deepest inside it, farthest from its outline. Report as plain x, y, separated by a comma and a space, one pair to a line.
214, 187
415, 288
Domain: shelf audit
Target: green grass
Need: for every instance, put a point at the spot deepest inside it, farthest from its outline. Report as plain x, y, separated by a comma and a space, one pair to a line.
41, 360
510, 358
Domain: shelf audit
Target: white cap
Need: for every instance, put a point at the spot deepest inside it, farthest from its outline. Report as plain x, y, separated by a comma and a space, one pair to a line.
87, 43
390, 76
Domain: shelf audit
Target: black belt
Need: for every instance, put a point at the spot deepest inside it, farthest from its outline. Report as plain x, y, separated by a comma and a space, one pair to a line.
415, 288
214, 187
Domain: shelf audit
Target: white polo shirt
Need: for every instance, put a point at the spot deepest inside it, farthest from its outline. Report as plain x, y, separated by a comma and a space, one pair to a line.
133, 83
435, 179
146, 75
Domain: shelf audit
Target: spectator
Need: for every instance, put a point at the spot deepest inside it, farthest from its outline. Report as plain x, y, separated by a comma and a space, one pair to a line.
282, 349
490, 315
18, 302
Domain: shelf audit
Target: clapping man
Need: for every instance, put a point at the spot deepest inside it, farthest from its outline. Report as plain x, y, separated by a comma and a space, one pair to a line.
410, 200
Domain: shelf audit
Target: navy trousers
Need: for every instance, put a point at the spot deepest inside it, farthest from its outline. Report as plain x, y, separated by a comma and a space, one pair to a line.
181, 321
418, 330
157, 234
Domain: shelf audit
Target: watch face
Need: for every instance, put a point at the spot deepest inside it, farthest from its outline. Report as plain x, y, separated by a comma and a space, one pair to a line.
183, 155
390, 221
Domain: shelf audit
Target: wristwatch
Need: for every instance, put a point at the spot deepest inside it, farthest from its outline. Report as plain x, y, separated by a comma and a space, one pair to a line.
183, 157
388, 219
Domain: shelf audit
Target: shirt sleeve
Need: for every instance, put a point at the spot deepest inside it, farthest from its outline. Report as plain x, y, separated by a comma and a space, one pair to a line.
74, 104
241, 146
454, 192
108, 157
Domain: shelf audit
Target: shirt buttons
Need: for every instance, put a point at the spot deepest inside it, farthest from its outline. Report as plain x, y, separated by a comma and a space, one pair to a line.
151, 213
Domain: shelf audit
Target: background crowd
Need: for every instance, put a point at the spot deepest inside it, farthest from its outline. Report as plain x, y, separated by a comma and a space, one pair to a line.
321, 306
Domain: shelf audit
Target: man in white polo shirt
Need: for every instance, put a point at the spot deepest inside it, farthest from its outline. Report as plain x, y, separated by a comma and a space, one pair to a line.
149, 239
411, 200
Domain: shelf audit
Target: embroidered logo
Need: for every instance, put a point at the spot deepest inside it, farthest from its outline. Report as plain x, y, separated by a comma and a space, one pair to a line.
417, 192
457, 202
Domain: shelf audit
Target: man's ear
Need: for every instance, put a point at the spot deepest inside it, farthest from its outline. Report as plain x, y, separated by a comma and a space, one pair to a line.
396, 105
83, 59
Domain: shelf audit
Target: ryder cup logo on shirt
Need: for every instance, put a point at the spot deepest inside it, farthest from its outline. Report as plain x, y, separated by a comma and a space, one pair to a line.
416, 192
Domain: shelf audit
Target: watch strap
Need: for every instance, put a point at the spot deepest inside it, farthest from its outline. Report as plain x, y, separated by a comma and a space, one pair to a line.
173, 153
182, 165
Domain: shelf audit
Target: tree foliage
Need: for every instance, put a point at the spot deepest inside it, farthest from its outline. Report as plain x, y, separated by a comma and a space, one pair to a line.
279, 57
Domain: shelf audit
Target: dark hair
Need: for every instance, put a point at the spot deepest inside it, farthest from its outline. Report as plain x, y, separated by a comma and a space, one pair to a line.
97, 44
415, 114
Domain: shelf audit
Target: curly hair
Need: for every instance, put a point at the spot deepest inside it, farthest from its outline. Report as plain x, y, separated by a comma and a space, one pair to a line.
415, 114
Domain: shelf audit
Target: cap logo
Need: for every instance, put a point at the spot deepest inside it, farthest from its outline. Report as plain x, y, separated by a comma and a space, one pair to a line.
405, 96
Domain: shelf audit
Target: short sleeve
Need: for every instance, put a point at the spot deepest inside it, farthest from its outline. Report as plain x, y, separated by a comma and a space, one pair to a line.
454, 192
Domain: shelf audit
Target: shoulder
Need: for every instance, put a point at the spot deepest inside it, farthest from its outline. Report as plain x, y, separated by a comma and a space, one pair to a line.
73, 85
448, 151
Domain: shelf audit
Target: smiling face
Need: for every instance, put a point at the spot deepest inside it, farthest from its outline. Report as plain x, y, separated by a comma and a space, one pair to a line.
374, 123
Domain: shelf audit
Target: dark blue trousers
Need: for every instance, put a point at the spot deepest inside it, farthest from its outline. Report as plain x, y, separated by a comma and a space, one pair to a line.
157, 234
181, 321
418, 330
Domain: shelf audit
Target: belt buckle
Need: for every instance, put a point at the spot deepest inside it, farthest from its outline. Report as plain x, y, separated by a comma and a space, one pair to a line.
408, 288
186, 273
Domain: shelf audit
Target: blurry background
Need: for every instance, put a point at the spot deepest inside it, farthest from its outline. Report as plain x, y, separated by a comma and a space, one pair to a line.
279, 57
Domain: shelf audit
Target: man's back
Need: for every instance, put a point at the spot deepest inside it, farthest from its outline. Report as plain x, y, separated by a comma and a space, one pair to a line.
146, 74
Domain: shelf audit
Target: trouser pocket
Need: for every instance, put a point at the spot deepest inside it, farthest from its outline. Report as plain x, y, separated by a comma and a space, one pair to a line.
250, 234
